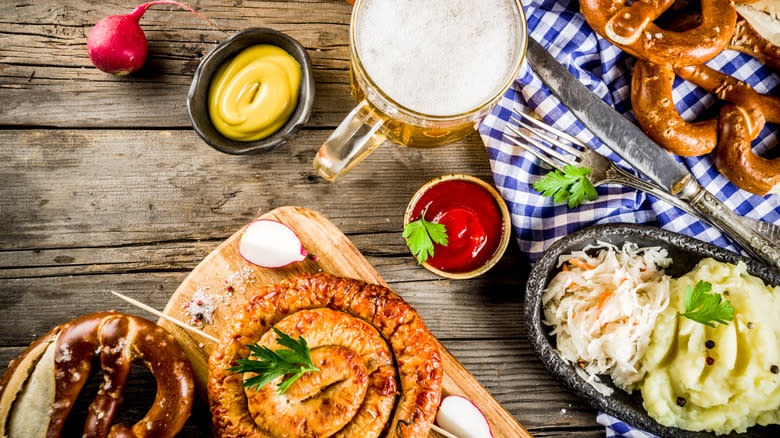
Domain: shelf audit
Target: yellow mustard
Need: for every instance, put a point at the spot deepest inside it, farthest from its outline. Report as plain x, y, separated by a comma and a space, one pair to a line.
254, 94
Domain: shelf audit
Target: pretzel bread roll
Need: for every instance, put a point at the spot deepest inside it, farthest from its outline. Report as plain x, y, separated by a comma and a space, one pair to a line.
380, 368
631, 28
651, 99
735, 158
41, 385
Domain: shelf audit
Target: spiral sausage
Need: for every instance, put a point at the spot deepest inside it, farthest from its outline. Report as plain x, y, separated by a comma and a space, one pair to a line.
57, 366
364, 338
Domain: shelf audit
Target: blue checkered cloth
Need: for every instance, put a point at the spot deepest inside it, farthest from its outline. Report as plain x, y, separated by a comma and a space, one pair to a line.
618, 429
606, 70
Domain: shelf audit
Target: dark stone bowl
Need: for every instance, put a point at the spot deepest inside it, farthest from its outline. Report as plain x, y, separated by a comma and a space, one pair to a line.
685, 253
197, 98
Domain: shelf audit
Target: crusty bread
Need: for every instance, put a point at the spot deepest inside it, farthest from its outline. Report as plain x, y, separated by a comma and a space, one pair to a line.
764, 16
16, 377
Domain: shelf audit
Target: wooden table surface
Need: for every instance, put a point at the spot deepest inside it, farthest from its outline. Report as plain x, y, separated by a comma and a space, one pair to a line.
104, 185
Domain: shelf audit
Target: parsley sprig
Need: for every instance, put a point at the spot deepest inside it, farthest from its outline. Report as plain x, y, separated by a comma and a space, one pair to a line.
572, 185
420, 236
704, 307
294, 360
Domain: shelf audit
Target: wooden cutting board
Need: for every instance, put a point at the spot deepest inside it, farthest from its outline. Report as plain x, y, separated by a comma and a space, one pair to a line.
224, 269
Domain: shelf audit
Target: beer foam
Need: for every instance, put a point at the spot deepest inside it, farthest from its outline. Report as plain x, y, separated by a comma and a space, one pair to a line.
438, 57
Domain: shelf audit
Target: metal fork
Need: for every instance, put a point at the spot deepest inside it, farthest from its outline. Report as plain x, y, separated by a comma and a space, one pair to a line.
541, 140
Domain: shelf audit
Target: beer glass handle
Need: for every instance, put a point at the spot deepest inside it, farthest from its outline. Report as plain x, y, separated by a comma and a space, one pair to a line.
356, 136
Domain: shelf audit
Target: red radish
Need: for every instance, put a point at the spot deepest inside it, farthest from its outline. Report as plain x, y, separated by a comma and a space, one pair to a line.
462, 418
118, 45
270, 244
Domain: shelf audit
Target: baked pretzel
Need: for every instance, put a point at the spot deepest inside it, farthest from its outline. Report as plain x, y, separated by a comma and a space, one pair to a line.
632, 29
364, 338
732, 132
39, 388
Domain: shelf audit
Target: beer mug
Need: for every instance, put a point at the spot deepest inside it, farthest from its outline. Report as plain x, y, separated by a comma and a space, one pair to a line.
424, 73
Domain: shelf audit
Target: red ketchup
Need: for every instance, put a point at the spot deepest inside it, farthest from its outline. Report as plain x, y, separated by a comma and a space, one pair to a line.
473, 220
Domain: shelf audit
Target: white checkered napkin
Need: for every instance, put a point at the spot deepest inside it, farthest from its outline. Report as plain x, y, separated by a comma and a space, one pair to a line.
606, 70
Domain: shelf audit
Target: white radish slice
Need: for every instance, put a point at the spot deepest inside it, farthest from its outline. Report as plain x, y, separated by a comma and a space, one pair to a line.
270, 244
462, 418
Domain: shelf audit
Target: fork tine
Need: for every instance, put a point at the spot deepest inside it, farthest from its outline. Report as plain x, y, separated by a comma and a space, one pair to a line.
535, 153
555, 142
549, 128
543, 147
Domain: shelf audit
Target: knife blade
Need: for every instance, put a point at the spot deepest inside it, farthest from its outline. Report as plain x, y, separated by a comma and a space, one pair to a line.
614, 130
641, 152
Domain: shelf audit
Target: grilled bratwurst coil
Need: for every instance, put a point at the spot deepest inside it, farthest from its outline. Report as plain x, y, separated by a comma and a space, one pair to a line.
380, 368
40, 386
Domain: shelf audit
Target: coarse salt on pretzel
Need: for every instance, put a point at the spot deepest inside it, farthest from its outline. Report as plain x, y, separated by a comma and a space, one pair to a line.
731, 133
380, 366
39, 388
632, 29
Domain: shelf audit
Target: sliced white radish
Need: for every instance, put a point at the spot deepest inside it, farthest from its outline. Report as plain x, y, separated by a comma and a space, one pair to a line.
270, 244
462, 418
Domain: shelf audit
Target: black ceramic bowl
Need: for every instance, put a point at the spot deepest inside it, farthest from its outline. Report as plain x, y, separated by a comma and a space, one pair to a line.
197, 98
685, 253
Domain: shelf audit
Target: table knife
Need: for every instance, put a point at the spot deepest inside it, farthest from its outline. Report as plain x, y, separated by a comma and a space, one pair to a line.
647, 157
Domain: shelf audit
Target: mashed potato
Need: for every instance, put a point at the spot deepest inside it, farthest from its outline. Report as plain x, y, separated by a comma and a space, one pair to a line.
716, 379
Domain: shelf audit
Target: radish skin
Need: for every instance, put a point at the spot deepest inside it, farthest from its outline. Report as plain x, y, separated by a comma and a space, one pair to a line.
117, 44
462, 418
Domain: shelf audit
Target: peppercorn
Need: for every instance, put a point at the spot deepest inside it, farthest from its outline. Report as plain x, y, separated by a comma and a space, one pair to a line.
681, 401
774, 369
750, 325
726, 293
709, 344
710, 360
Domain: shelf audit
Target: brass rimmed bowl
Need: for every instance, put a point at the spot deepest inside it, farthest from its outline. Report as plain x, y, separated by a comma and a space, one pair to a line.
197, 98
505, 233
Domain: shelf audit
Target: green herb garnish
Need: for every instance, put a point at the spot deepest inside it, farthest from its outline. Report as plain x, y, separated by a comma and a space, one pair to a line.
269, 365
420, 236
704, 307
571, 185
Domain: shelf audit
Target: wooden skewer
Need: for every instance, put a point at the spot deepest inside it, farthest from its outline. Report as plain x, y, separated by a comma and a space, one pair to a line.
441, 431
167, 318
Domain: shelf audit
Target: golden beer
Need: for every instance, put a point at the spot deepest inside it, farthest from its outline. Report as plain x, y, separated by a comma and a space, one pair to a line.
424, 72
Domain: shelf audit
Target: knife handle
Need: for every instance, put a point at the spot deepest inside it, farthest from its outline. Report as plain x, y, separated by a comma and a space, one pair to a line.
758, 245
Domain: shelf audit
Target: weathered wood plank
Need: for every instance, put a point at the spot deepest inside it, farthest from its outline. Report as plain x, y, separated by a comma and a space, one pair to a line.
92, 188
48, 80
488, 307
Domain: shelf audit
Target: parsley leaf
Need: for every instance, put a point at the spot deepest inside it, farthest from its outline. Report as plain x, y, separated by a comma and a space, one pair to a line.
269, 365
420, 236
571, 185
704, 307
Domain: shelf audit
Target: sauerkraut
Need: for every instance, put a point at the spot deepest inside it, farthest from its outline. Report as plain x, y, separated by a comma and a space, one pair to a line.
603, 309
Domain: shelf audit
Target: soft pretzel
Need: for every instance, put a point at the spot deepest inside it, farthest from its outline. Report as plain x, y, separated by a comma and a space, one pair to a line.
732, 132
366, 341
632, 29
39, 388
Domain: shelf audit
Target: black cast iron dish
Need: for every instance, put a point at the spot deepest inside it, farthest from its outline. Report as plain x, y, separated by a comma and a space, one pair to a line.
685, 253
197, 98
